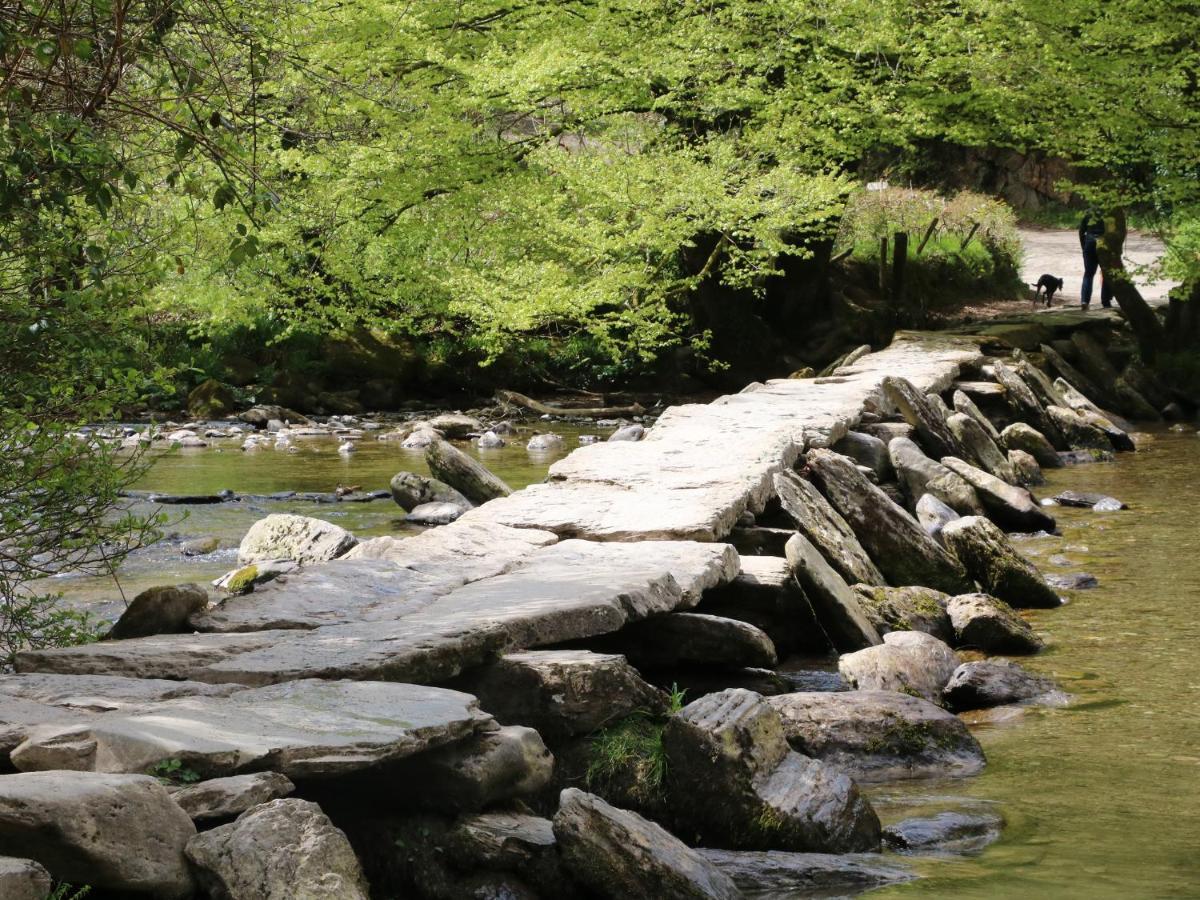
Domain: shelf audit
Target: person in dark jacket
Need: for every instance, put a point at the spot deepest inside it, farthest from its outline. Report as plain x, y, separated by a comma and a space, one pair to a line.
1091, 229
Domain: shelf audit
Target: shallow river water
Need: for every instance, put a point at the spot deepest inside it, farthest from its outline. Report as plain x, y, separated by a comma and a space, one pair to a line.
1102, 799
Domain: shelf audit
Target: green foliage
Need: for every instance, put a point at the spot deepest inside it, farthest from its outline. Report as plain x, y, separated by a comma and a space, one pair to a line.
630, 753
65, 891
173, 771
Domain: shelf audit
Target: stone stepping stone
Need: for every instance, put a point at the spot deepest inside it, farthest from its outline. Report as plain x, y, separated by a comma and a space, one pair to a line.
302, 729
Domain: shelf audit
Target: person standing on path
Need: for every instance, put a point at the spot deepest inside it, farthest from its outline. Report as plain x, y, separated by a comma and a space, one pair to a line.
1091, 229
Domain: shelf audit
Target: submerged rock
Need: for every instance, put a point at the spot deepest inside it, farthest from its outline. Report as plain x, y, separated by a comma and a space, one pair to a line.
879, 735
776, 875
1088, 500
910, 662
906, 609
954, 832
990, 625
993, 561
299, 538
456, 426
1076, 581
618, 854
734, 781
121, 833
544, 443
978, 685
282, 850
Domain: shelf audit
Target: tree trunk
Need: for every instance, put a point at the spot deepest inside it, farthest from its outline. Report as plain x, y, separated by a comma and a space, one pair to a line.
1142, 319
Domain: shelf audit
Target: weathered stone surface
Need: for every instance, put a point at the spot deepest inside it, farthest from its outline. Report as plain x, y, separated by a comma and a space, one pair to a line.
618, 854
1008, 505
1026, 403
561, 692
965, 405
682, 481
504, 840
1077, 431
1081, 403
906, 609
988, 624
282, 850
686, 637
300, 538
633, 432
544, 443
826, 529
1019, 436
1118, 436
777, 875
435, 514
993, 561
1076, 581
1093, 359
981, 447
1039, 382
911, 662
470, 478
117, 832
1026, 469
456, 426
160, 610
738, 784
486, 768
898, 545
866, 450
1069, 374
836, 607
978, 685
224, 798
877, 735
889, 431
23, 879
951, 832
920, 475
411, 490
1085, 457
302, 729
923, 416
933, 515
102, 693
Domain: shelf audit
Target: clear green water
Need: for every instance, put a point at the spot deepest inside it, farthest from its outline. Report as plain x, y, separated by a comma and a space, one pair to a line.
317, 466
1102, 799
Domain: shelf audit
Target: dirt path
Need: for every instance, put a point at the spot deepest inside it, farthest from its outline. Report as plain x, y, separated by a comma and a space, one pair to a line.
1057, 253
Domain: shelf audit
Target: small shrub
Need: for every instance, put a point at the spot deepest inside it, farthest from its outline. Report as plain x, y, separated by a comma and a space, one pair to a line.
173, 771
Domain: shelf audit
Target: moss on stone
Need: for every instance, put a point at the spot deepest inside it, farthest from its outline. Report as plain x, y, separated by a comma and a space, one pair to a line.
242, 581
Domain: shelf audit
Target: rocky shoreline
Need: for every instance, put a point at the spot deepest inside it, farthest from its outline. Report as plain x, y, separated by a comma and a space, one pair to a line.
576, 689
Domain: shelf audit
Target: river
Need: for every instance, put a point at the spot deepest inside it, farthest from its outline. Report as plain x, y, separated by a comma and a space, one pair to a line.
1102, 798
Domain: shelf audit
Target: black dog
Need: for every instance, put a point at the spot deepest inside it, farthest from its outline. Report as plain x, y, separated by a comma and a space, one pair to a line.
1049, 285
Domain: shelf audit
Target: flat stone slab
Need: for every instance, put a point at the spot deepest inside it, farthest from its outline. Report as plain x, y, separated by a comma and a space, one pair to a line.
777, 875
302, 729
701, 466
378, 580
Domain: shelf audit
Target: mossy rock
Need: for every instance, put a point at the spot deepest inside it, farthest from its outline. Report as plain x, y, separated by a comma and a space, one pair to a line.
211, 400
906, 609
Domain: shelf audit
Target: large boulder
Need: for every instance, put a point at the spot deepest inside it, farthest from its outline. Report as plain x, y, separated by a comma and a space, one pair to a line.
1070, 375
688, 638
992, 560
1026, 469
618, 854
160, 610
211, 399
456, 426
467, 476
224, 798
910, 608
981, 446
411, 490
923, 416
1019, 436
920, 475
121, 833
898, 545
561, 692
837, 609
821, 524
24, 879
282, 850
1010, 506
735, 782
299, 538
866, 450
997, 682
911, 662
991, 625
879, 735
1080, 434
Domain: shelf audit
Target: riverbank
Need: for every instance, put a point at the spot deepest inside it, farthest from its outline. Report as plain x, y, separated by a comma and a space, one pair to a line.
509, 576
